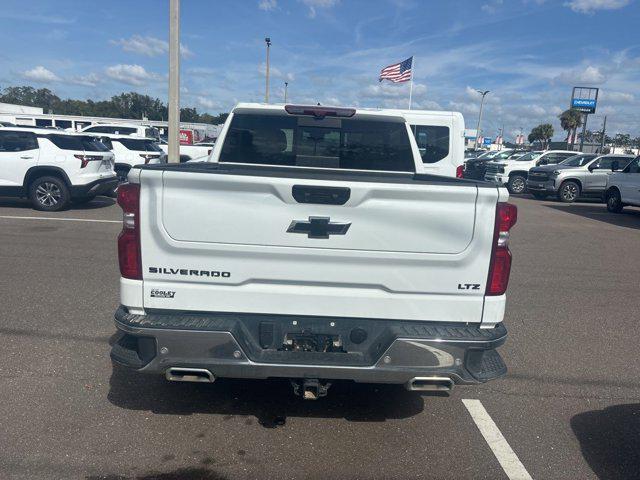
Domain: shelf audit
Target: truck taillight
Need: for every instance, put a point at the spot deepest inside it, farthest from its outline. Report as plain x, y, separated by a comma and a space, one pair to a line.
459, 170
129, 238
500, 266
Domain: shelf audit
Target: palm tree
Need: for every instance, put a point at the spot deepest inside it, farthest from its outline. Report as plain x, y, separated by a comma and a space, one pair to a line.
542, 133
570, 121
546, 132
534, 136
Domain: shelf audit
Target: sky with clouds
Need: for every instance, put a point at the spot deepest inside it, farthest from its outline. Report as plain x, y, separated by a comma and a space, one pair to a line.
528, 53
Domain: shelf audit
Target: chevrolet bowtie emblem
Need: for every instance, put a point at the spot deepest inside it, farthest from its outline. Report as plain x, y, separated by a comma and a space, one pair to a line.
318, 227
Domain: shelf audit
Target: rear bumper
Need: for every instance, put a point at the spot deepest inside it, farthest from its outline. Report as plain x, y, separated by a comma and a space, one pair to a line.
97, 187
250, 346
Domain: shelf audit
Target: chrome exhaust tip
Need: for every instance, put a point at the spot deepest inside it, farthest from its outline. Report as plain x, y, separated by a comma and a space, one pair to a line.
180, 374
430, 384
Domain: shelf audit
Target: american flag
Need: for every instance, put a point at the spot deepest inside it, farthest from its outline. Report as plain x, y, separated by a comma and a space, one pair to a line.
398, 72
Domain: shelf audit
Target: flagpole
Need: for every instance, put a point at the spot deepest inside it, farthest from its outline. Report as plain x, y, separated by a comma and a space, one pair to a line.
413, 64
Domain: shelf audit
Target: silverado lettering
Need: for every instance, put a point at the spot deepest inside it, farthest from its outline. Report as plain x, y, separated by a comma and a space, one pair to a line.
189, 272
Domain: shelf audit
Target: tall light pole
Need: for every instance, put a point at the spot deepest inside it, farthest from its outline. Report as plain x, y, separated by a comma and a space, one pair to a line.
584, 131
604, 131
286, 84
174, 82
266, 92
480, 115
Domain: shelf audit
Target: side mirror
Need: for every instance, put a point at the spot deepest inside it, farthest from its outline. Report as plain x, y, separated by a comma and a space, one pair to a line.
542, 162
591, 167
615, 165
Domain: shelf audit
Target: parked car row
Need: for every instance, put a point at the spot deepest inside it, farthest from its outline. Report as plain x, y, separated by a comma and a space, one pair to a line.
583, 175
475, 167
53, 168
563, 174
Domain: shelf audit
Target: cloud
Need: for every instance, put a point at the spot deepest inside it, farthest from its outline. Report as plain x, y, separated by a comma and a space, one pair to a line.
41, 74
149, 46
314, 5
129, 74
590, 74
492, 6
207, 102
615, 97
426, 105
276, 73
90, 80
268, 5
474, 94
464, 107
590, 6
201, 72
386, 90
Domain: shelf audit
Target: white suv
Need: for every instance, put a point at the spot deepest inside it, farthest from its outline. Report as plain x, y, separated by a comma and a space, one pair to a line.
53, 168
513, 173
130, 151
131, 129
623, 188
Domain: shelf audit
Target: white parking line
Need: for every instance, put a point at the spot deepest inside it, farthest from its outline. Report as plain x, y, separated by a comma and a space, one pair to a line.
506, 456
62, 219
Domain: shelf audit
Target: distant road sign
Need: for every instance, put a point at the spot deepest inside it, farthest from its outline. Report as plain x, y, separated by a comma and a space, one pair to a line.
486, 140
584, 99
586, 105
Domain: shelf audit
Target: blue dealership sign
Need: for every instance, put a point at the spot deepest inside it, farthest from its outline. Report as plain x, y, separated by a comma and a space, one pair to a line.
486, 141
586, 105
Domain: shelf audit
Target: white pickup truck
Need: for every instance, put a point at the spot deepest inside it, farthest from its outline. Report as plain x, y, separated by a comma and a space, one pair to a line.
315, 249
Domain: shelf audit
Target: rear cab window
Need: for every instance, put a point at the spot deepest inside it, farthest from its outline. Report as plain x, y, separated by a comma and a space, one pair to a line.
433, 142
362, 142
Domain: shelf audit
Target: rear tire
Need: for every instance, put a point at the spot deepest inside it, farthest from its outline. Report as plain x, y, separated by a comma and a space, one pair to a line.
539, 195
614, 202
569, 192
517, 184
49, 194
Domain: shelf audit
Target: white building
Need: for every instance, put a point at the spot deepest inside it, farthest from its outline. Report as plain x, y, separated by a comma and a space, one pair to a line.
35, 116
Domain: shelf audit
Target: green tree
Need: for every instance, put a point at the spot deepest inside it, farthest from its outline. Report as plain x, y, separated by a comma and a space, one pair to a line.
124, 105
29, 96
534, 136
189, 114
570, 121
542, 134
590, 137
622, 140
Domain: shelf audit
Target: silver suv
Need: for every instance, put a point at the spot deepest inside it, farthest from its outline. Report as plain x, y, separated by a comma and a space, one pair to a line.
580, 175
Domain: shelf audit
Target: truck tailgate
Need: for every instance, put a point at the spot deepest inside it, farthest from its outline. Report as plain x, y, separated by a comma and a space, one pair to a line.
357, 246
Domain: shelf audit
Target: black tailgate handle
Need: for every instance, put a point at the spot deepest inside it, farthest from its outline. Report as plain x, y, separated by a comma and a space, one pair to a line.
321, 195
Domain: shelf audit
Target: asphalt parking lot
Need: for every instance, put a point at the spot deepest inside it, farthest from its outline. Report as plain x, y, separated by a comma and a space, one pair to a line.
569, 407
